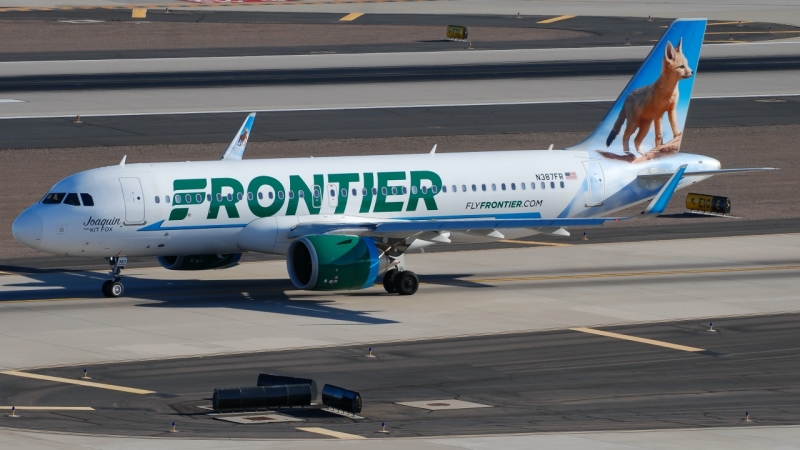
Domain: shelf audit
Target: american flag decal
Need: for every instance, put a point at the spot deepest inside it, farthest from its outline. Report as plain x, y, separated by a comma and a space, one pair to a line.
571, 175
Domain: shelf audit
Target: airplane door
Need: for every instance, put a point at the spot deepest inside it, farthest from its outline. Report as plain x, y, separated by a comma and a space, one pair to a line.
597, 187
333, 197
134, 200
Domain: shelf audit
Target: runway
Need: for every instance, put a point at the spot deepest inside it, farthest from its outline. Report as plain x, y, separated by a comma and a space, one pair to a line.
370, 122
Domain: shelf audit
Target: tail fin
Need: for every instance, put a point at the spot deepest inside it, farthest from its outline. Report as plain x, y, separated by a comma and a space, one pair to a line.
236, 149
673, 59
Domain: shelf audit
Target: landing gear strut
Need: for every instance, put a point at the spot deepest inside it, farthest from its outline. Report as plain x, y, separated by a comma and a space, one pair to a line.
403, 283
113, 287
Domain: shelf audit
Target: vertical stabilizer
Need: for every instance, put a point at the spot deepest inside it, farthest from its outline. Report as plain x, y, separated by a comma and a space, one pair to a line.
650, 113
235, 150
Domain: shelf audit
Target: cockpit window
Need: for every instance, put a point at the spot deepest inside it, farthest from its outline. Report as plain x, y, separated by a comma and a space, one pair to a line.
53, 198
72, 199
87, 200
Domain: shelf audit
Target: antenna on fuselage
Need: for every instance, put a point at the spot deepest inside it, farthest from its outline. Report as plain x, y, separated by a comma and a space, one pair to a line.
433, 150
122, 163
550, 149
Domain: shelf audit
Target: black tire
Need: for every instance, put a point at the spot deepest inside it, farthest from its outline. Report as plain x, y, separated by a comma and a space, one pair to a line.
106, 288
116, 289
388, 281
406, 283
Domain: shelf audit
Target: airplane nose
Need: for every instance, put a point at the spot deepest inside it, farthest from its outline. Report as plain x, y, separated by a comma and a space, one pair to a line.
28, 229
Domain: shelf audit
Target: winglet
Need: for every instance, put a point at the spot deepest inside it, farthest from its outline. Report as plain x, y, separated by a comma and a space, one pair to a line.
659, 203
235, 151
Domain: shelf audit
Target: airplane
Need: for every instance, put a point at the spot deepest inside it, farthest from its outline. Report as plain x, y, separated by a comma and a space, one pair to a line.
342, 222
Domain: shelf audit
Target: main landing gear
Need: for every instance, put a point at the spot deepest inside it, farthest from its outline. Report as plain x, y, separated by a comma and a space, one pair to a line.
403, 283
113, 287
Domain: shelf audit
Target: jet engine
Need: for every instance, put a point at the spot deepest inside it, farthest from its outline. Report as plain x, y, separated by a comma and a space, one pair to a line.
199, 262
334, 262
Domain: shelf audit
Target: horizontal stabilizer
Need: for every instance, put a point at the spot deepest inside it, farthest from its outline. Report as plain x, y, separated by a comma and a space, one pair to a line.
659, 203
655, 176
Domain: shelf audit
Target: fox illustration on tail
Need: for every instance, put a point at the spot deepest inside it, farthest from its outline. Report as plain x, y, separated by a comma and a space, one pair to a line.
646, 105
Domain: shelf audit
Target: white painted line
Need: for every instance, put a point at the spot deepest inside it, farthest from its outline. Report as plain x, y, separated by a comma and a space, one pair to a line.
11, 100
331, 433
356, 108
110, 387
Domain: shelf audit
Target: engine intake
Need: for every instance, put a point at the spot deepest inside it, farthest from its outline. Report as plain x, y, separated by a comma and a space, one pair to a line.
334, 262
199, 262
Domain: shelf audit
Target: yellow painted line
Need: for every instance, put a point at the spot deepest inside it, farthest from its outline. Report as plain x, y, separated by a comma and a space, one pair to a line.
110, 387
555, 19
332, 433
47, 408
551, 244
729, 23
638, 339
754, 32
635, 274
351, 17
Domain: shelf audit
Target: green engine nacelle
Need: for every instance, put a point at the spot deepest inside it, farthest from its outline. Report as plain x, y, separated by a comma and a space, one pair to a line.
199, 262
333, 262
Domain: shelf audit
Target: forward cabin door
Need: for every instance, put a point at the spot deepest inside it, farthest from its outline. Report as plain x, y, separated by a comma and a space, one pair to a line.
134, 200
597, 187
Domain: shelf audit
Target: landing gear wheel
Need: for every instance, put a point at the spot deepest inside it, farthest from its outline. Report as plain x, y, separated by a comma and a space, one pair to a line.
116, 289
388, 281
406, 283
107, 287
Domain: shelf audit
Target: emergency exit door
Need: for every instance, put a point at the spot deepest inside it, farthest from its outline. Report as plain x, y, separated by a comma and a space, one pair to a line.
134, 200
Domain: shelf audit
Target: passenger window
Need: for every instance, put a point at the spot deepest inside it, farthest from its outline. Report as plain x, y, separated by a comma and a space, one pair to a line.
364, 192
261, 196
454, 189
405, 190
474, 188
291, 194
208, 198
522, 185
333, 193
463, 188
280, 195
414, 190
177, 199
354, 192
543, 185
394, 190
249, 196
230, 197
513, 186
219, 197
300, 194
384, 191
494, 187
199, 198
72, 199
533, 185
503, 186
158, 200
444, 188
433, 189
269, 194
317, 193
53, 198
424, 189
375, 191
166, 198
239, 196
552, 185
344, 192
562, 185
89, 201
483, 187
188, 198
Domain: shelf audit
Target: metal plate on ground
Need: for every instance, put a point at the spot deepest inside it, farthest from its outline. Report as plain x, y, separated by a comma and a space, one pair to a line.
259, 418
437, 405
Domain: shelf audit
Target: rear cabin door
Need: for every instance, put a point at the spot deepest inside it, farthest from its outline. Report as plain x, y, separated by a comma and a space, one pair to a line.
134, 200
597, 187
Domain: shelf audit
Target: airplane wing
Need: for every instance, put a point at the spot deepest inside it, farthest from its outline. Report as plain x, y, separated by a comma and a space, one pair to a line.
235, 150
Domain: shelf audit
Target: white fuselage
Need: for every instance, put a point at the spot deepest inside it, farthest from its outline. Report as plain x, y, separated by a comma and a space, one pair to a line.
192, 208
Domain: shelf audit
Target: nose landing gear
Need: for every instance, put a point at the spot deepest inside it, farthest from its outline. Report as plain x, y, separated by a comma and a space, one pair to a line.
113, 288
